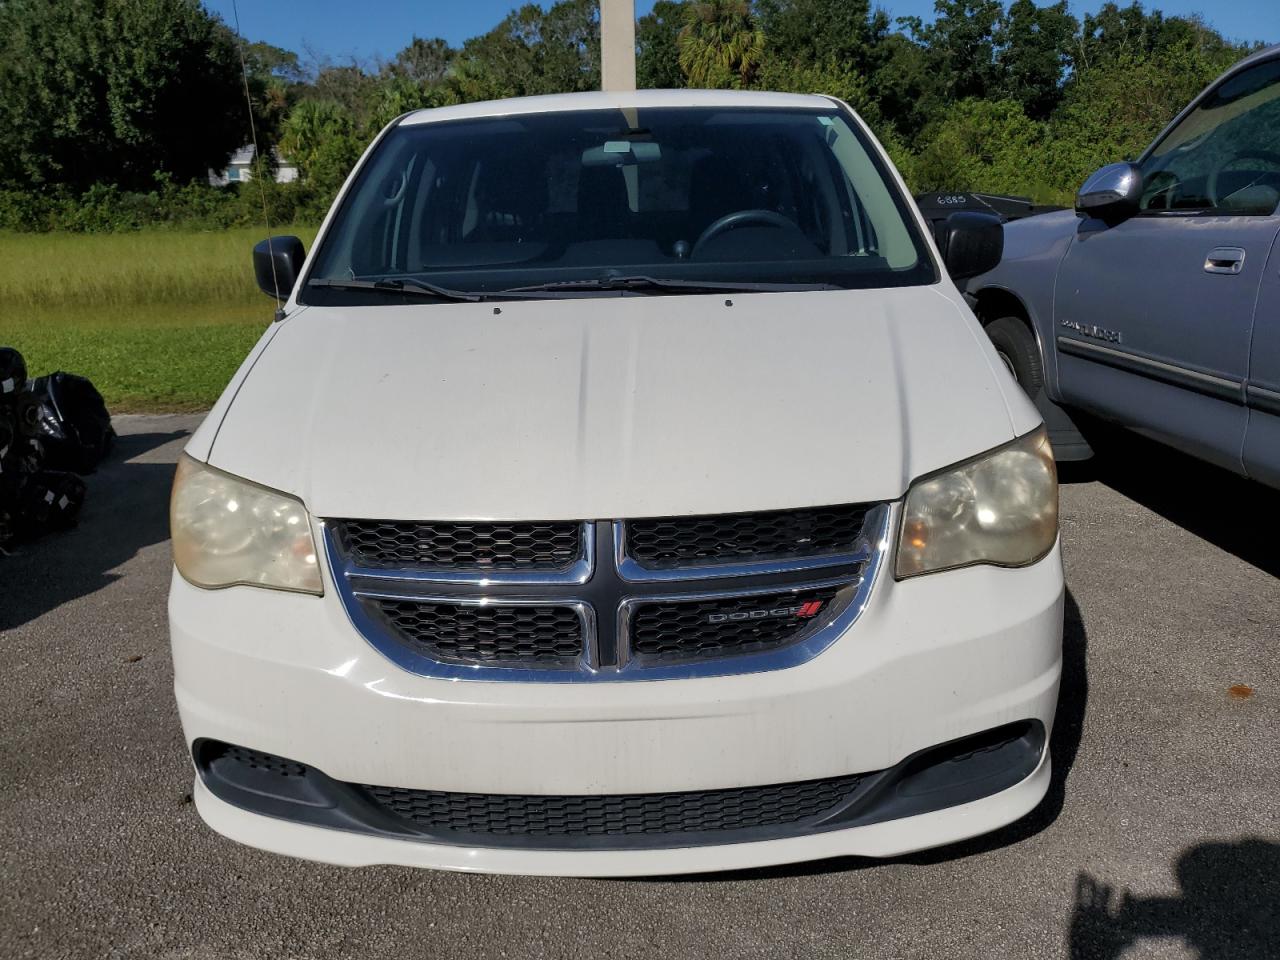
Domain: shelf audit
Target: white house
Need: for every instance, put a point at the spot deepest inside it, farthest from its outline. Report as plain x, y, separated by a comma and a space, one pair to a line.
239, 168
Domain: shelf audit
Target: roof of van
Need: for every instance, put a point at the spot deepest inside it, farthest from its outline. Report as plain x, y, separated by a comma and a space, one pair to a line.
617, 100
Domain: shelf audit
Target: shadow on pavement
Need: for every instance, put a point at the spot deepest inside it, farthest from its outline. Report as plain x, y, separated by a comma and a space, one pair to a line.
1064, 744
126, 509
131, 445
1228, 907
1232, 513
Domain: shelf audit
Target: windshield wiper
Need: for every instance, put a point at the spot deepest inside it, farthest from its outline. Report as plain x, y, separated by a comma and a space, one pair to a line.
642, 284
637, 284
399, 286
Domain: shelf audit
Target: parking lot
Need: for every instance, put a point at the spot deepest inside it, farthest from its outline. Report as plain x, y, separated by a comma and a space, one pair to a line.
1160, 836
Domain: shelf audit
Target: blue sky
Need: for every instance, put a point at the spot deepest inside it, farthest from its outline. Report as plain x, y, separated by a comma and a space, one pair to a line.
373, 29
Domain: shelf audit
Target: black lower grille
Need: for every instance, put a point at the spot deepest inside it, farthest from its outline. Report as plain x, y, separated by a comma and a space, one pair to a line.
940, 776
498, 634
266, 764
484, 547
615, 815
706, 629
666, 542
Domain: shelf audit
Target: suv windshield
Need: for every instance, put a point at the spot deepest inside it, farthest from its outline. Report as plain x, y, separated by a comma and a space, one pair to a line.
638, 200
1222, 155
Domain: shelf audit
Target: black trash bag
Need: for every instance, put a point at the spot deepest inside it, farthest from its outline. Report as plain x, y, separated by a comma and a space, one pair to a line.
10, 464
8, 435
22, 455
18, 454
67, 415
47, 500
8, 522
13, 374
20, 458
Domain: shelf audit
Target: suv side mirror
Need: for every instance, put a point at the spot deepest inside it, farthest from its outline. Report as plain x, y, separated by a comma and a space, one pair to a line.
1112, 193
277, 263
971, 243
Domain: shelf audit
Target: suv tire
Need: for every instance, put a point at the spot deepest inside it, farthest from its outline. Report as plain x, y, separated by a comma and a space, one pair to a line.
1017, 348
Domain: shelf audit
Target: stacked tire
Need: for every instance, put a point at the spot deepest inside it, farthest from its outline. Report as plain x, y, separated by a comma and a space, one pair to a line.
52, 430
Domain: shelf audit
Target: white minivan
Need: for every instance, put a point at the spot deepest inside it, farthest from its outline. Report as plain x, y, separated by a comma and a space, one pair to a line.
623, 488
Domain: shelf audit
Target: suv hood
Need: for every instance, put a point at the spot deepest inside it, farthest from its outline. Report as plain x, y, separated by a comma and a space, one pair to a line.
607, 407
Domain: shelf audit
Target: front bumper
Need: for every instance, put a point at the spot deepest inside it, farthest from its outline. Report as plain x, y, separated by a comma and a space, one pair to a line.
930, 660
889, 839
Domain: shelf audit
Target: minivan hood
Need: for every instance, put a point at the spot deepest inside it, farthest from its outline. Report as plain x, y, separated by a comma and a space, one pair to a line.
607, 407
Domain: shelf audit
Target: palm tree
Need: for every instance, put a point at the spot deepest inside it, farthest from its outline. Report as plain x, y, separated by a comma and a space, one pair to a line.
720, 44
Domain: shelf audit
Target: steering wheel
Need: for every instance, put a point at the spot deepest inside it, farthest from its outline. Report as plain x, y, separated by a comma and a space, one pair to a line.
1211, 185
736, 219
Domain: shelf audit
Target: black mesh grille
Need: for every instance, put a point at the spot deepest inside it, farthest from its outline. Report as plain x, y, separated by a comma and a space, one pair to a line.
264, 762
706, 629
618, 814
379, 544
494, 634
668, 542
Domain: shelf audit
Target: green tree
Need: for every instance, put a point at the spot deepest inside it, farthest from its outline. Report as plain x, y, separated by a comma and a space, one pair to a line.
961, 45
114, 91
276, 79
322, 138
533, 51
400, 95
721, 45
569, 40
424, 62
1034, 49
908, 89
831, 77
845, 32
347, 85
1114, 32
658, 46
1112, 111
989, 145
269, 62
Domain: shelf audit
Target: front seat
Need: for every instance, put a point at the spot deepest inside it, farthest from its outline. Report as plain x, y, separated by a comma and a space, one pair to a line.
603, 211
716, 188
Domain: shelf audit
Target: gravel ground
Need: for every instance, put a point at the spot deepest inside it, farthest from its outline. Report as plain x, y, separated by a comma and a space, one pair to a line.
1160, 836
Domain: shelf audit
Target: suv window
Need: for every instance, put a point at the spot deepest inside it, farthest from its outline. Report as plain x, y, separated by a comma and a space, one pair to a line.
708, 194
1225, 154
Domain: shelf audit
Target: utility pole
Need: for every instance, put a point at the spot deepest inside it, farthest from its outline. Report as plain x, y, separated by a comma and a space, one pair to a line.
617, 45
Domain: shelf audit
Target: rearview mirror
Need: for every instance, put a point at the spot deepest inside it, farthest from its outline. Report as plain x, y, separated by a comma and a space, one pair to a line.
971, 243
277, 262
616, 153
1112, 193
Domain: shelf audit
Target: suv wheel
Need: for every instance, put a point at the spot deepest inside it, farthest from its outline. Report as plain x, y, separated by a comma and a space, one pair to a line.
1016, 347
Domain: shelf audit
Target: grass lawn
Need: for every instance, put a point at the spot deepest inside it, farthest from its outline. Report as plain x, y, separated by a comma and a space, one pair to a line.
158, 320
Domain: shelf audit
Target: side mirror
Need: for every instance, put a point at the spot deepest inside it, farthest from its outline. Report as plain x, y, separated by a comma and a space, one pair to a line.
971, 243
1112, 193
277, 263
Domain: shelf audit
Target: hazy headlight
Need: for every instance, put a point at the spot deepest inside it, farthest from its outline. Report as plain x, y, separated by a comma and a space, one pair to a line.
1000, 508
228, 531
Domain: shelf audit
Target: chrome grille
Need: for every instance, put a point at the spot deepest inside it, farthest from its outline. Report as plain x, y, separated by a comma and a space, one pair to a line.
383, 545
485, 633
725, 626
665, 542
604, 615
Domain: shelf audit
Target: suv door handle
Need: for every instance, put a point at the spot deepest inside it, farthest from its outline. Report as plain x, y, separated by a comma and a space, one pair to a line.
1228, 260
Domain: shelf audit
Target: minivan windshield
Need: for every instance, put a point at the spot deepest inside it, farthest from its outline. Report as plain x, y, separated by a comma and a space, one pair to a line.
641, 200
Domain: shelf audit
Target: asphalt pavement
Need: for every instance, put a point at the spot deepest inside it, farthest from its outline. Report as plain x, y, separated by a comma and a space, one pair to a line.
1160, 836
